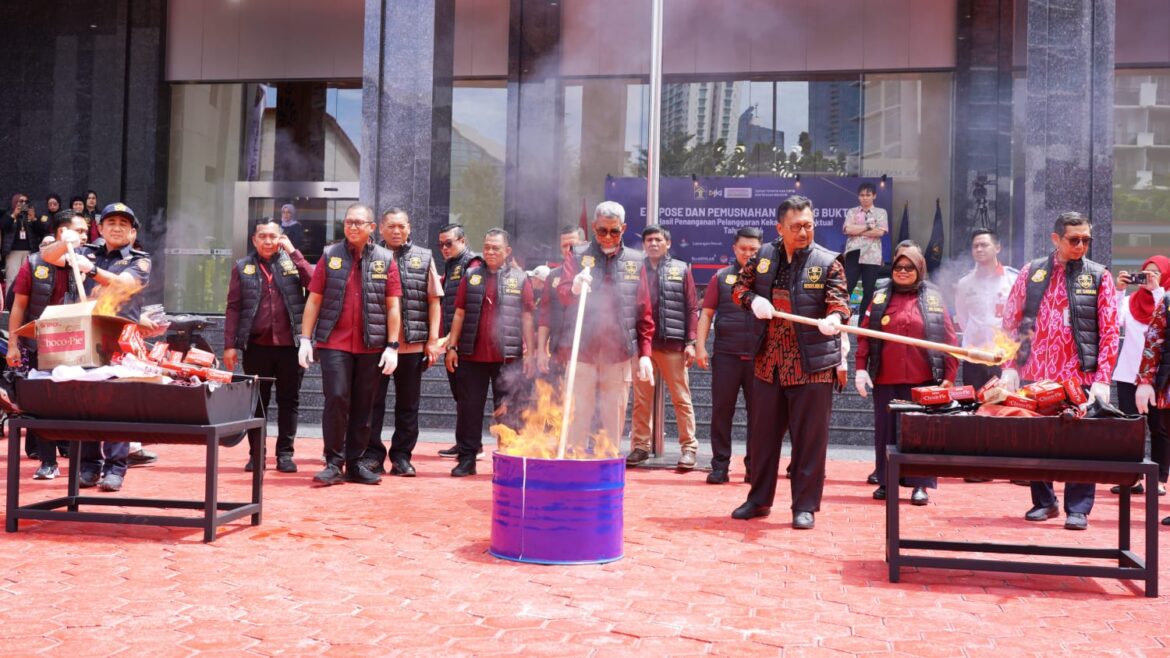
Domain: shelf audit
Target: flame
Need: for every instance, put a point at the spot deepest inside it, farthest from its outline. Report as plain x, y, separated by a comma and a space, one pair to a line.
540, 431
1006, 345
114, 295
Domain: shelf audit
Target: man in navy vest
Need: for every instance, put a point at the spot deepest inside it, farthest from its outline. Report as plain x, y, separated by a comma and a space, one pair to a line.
352, 314
420, 311
1063, 308
735, 348
265, 308
795, 364
675, 305
492, 324
457, 259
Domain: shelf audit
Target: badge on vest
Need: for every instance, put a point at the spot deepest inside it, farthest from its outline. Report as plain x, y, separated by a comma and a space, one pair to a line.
414, 263
1038, 277
335, 262
879, 298
474, 280
511, 287
934, 304
42, 272
764, 265
249, 269
730, 279
379, 269
287, 267
588, 261
457, 272
813, 276
1085, 285
674, 274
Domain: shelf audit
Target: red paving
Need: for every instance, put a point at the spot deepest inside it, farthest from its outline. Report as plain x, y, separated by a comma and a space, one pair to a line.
403, 569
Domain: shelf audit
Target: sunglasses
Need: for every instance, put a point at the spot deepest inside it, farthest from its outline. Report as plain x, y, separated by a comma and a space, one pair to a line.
354, 223
905, 268
447, 244
610, 232
1078, 241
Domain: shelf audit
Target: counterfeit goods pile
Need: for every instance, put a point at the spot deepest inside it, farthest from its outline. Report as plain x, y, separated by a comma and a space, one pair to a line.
1043, 398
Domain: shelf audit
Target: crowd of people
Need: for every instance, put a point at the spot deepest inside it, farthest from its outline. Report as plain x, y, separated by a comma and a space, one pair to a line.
378, 308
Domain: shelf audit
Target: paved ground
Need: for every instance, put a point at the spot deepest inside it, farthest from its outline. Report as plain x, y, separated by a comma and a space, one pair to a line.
403, 569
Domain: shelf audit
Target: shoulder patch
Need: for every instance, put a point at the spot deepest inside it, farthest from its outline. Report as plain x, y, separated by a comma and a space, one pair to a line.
1038, 276
764, 265
335, 262
249, 269
41, 272
475, 280
730, 279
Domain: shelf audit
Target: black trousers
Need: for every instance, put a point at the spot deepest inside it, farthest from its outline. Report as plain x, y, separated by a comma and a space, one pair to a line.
803, 412
109, 457
729, 374
279, 363
868, 274
1157, 421
978, 374
407, 394
885, 430
349, 382
472, 379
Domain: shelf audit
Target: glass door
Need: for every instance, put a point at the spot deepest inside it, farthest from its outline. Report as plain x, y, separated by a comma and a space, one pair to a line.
318, 207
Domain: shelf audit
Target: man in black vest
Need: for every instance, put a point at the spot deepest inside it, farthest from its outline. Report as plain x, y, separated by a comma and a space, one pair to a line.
457, 259
735, 346
37, 286
618, 327
795, 364
1063, 308
352, 314
675, 305
492, 324
550, 352
265, 308
420, 312
111, 261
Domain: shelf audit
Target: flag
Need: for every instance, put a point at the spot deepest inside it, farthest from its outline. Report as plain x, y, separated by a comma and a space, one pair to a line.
934, 248
904, 230
584, 217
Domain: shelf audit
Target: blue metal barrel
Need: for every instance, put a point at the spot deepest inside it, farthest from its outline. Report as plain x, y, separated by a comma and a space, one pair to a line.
557, 511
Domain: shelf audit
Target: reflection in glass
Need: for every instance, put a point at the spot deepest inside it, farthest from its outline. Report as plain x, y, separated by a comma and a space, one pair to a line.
1141, 166
478, 150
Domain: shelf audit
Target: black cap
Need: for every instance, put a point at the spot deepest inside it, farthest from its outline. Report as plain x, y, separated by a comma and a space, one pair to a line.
120, 209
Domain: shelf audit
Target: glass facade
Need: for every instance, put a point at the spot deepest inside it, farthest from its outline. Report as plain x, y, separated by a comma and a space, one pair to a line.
1141, 166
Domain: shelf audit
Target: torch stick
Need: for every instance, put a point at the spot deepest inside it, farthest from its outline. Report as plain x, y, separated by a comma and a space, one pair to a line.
571, 374
971, 354
80, 282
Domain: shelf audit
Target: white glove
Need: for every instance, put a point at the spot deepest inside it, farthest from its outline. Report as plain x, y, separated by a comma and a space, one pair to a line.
389, 361
71, 238
1144, 398
1009, 380
540, 272
582, 281
1099, 391
84, 265
305, 352
830, 325
862, 381
645, 368
762, 308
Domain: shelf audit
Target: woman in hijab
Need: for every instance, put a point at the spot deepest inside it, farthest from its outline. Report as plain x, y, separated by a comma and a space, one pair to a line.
907, 305
1143, 321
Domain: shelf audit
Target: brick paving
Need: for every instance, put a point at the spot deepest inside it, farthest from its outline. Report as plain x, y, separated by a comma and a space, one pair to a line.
403, 569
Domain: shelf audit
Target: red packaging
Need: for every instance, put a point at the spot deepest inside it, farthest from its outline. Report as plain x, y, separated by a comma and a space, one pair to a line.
991, 383
963, 393
198, 357
222, 376
185, 370
928, 395
174, 357
1045, 393
130, 341
158, 353
1051, 410
1075, 393
1019, 402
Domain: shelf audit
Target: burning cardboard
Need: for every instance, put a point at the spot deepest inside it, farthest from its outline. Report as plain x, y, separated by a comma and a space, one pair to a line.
74, 335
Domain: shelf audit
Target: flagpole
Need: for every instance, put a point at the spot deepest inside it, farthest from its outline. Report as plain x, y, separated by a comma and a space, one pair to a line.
652, 174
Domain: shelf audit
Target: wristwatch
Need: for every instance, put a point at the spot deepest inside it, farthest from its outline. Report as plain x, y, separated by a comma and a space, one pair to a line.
393, 344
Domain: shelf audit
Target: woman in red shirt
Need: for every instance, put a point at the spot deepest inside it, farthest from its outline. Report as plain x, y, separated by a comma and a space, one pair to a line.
907, 305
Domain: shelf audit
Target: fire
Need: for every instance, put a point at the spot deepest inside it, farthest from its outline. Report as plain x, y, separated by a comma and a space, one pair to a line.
1006, 345
540, 433
114, 295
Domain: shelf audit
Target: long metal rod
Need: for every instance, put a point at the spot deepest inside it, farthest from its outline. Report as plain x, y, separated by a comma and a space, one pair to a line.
571, 374
653, 152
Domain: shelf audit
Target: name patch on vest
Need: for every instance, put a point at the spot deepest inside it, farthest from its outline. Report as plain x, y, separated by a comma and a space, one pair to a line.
335, 262
934, 304
249, 269
730, 279
475, 279
287, 267
764, 265
1084, 285
122, 263
41, 272
1038, 277
511, 287
632, 271
674, 274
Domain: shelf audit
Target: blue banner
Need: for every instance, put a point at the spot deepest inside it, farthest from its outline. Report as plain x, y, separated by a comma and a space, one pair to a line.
703, 213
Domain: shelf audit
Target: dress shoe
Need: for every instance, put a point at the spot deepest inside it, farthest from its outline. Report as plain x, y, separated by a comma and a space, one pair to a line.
360, 474
374, 466
686, 461
47, 471
1076, 521
140, 457
402, 468
450, 453
87, 480
871, 478
110, 482
750, 510
285, 464
250, 466
803, 521
328, 476
717, 476
879, 493
1042, 513
465, 467
919, 496
1166, 521
976, 480
1135, 489
637, 456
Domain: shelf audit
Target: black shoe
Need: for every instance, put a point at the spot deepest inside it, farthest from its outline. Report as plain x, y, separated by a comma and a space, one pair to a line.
465, 467
374, 466
402, 468
140, 457
919, 496
976, 480
63, 449
1042, 513
250, 466
450, 453
1135, 489
285, 464
328, 476
803, 521
879, 493
1166, 521
110, 482
750, 510
717, 476
360, 474
872, 478
87, 480
1076, 521
637, 456
788, 472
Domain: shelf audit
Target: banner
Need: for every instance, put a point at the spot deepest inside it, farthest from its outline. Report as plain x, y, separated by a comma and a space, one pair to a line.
703, 213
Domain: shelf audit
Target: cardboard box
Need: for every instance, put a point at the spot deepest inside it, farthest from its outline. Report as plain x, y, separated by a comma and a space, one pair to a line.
1019, 402
1075, 393
963, 394
1045, 393
983, 390
928, 395
72, 335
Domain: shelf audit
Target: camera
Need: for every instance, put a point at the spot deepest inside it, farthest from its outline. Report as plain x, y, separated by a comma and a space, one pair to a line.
1139, 278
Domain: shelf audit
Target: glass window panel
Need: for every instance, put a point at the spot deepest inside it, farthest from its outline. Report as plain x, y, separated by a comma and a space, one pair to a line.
1141, 166
478, 150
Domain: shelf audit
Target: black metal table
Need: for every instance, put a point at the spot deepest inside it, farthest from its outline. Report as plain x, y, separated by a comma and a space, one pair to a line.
1130, 566
215, 512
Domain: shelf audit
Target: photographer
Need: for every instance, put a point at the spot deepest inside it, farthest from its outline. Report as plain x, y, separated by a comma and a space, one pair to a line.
15, 236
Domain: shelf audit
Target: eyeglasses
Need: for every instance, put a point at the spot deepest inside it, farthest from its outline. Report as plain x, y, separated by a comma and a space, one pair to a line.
610, 232
355, 223
905, 268
1078, 241
447, 244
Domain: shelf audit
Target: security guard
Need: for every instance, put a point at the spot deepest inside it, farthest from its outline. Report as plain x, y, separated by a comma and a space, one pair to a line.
457, 259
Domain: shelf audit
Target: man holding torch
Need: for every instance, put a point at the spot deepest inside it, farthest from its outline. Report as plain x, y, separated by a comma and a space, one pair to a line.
1064, 309
795, 364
